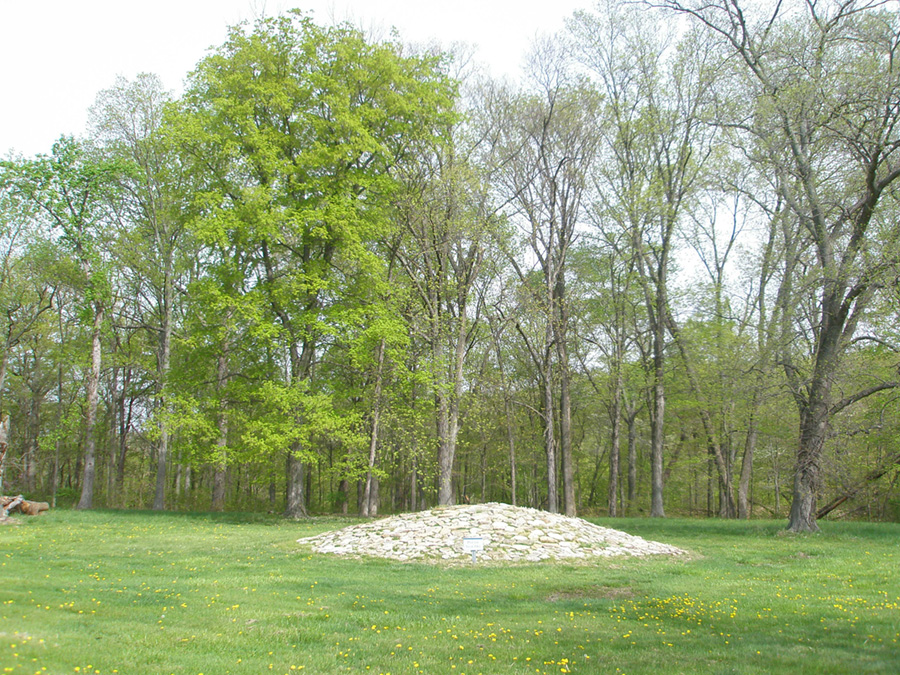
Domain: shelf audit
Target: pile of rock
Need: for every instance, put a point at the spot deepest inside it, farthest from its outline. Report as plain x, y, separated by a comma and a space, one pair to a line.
506, 534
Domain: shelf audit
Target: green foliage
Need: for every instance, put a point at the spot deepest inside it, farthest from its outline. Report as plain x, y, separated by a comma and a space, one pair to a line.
318, 250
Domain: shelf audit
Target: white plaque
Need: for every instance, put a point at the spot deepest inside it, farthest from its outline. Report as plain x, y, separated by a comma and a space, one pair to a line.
472, 544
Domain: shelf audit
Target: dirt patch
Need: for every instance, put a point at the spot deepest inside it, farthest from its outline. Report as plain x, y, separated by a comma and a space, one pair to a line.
593, 593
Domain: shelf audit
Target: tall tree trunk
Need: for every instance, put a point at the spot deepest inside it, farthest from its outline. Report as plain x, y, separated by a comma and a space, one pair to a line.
165, 349
4, 365
550, 442
446, 451
115, 398
448, 394
560, 324
631, 420
747, 468
86, 501
813, 429
4, 447
565, 431
366, 504
507, 409
34, 426
54, 487
657, 436
615, 432
511, 439
296, 485
414, 479
124, 426
815, 410
220, 465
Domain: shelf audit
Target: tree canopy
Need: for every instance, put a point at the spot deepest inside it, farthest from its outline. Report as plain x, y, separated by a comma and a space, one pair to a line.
657, 275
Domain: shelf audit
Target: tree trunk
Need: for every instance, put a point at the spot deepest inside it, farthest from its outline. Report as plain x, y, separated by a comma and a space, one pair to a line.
446, 451
511, 439
560, 329
4, 446
414, 485
550, 443
747, 470
124, 426
657, 440
165, 342
366, 505
510, 422
34, 426
220, 464
565, 431
296, 491
615, 420
86, 501
632, 458
813, 428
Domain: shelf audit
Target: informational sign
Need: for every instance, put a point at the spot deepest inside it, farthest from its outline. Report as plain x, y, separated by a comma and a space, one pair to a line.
473, 545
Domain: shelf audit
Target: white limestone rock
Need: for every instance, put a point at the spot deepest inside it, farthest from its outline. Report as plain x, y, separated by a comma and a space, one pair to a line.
510, 534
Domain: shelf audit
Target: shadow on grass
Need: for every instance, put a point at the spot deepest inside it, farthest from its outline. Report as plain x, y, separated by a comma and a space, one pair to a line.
709, 528
231, 517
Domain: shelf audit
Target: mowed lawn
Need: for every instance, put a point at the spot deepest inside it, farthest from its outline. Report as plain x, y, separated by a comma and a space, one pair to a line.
138, 592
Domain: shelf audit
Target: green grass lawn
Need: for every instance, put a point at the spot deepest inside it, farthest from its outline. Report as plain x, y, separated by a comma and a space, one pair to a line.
138, 592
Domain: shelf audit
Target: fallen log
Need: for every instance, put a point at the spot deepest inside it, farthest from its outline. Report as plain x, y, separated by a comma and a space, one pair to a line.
33, 508
8, 504
889, 465
19, 503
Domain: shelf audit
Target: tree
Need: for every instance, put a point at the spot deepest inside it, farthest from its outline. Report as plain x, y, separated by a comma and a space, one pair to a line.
24, 292
550, 139
823, 79
72, 189
127, 121
299, 128
656, 146
446, 223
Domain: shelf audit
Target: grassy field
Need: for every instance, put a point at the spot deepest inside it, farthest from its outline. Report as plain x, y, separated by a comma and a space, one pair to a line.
138, 592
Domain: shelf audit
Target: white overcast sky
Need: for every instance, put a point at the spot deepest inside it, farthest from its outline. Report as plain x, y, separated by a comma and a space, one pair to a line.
56, 55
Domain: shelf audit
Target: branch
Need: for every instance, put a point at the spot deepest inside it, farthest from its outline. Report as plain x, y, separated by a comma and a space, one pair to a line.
860, 395
871, 338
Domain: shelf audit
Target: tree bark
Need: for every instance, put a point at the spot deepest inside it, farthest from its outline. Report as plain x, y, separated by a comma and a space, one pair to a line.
368, 495
86, 501
220, 465
550, 442
296, 492
165, 350
657, 436
813, 429
615, 433
747, 469
4, 446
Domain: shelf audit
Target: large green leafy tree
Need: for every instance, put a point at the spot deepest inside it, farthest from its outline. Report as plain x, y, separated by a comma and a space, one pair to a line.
299, 128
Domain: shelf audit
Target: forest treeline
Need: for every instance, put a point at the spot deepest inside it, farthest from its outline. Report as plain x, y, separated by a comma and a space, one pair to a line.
658, 275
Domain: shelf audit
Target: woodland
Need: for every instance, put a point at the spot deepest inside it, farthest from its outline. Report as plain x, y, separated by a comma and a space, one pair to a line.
657, 275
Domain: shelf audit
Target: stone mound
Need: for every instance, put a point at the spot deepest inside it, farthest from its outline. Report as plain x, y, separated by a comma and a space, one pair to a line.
508, 534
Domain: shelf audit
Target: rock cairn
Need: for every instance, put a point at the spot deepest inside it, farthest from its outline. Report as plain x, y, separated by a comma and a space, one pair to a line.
508, 534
